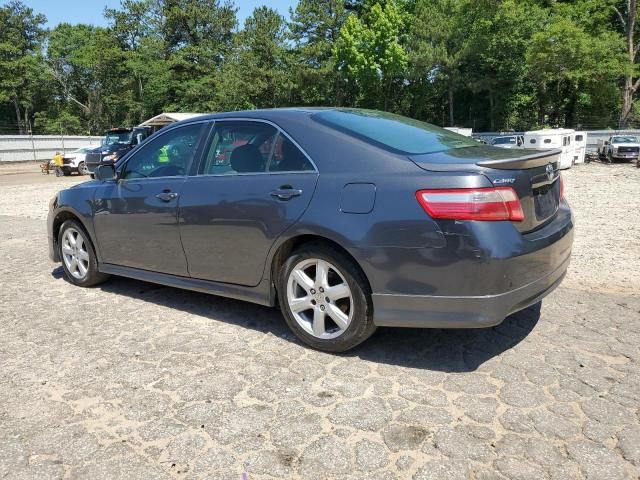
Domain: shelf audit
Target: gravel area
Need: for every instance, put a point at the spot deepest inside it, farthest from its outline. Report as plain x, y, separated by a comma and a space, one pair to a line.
136, 381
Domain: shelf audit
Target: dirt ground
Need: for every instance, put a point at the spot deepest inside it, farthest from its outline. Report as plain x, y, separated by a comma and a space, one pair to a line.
137, 381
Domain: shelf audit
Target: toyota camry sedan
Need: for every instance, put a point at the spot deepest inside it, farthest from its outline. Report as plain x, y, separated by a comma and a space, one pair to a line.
347, 219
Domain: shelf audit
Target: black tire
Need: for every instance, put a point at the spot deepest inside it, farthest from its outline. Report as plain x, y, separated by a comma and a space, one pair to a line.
93, 276
81, 168
361, 326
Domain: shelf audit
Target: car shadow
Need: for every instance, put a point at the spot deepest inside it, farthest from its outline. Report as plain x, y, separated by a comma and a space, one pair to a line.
447, 350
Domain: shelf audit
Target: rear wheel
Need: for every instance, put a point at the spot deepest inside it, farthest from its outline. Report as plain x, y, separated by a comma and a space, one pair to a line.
325, 299
82, 169
78, 256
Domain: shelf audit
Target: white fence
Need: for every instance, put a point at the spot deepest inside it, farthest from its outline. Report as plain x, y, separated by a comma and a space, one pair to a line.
21, 148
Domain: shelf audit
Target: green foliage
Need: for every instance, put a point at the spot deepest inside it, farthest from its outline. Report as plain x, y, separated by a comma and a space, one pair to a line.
371, 54
486, 64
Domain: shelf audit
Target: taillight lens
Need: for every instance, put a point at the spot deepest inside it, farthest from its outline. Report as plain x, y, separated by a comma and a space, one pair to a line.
561, 186
489, 204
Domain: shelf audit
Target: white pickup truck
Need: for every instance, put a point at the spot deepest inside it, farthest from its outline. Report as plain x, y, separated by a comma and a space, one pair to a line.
619, 147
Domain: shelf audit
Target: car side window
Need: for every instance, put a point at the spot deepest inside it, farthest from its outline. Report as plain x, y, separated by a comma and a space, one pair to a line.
168, 155
288, 158
239, 147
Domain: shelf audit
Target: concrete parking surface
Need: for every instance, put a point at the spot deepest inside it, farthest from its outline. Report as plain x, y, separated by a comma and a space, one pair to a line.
137, 381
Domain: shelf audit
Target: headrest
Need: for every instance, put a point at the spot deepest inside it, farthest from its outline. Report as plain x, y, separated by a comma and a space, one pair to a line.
246, 159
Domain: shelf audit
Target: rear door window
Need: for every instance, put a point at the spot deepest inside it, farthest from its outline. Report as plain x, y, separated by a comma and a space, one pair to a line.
239, 147
251, 147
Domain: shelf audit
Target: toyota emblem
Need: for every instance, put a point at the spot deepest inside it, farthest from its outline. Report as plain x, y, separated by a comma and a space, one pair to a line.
550, 171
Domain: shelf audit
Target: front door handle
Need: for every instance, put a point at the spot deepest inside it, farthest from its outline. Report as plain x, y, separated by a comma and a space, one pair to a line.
286, 193
167, 196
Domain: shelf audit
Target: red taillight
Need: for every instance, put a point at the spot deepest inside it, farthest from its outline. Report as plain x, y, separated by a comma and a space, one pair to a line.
489, 204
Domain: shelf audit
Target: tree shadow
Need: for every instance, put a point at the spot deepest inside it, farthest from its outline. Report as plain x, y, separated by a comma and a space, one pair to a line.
446, 350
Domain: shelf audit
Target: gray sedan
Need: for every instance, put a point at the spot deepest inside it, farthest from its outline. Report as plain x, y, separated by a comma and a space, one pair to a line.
348, 219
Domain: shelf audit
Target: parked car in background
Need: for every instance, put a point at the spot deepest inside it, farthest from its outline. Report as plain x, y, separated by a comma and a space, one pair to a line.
116, 143
71, 162
350, 219
77, 159
619, 147
508, 141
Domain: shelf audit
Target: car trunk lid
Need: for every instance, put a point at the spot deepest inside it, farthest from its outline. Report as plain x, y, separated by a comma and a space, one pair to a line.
533, 174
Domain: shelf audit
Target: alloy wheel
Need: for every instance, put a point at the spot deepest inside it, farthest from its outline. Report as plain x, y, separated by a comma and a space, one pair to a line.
319, 298
75, 254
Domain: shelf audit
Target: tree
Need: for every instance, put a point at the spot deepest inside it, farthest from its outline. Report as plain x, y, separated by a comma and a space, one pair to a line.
21, 38
627, 17
314, 28
197, 36
436, 43
371, 54
257, 74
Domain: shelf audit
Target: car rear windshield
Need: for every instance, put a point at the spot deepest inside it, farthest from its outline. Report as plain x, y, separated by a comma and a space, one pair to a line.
394, 132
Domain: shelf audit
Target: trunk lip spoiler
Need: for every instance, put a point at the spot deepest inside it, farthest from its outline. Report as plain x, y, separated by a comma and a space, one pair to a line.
533, 160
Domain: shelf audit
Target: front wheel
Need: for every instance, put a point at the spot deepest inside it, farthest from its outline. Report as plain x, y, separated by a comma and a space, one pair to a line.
325, 299
82, 169
78, 256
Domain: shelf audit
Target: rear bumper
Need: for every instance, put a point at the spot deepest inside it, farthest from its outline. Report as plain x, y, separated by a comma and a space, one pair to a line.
424, 311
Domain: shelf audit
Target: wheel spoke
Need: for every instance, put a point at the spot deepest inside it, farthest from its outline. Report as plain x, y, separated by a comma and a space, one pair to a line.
80, 242
67, 249
338, 316
73, 265
300, 304
82, 269
338, 291
318, 322
322, 274
303, 279
72, 239
83, 255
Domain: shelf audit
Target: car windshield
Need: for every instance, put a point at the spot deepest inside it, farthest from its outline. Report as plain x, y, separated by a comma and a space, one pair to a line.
393, 132
123, 138
504, 140
624, 140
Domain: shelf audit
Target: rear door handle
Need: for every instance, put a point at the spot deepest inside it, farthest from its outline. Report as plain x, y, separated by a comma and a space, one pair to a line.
286, 193
167, 196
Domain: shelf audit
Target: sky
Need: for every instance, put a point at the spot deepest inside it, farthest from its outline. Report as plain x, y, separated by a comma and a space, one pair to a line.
90, 11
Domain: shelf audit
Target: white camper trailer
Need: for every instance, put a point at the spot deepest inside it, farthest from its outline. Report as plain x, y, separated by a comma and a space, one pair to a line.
579, 146
461, 131
560, 138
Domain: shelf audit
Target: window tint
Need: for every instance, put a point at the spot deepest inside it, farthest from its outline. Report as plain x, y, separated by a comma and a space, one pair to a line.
287, 157
533, 140
239, 147
547, 140
393, 132
167, 155
579, 138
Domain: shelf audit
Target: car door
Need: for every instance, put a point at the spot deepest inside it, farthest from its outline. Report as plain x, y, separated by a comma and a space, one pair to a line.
252, 183
135, 217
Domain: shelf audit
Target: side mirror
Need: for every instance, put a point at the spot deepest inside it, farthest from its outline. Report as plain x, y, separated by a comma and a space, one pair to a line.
139, 138
105, 172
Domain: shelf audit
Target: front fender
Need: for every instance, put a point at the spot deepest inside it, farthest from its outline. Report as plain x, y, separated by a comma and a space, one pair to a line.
77, 203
